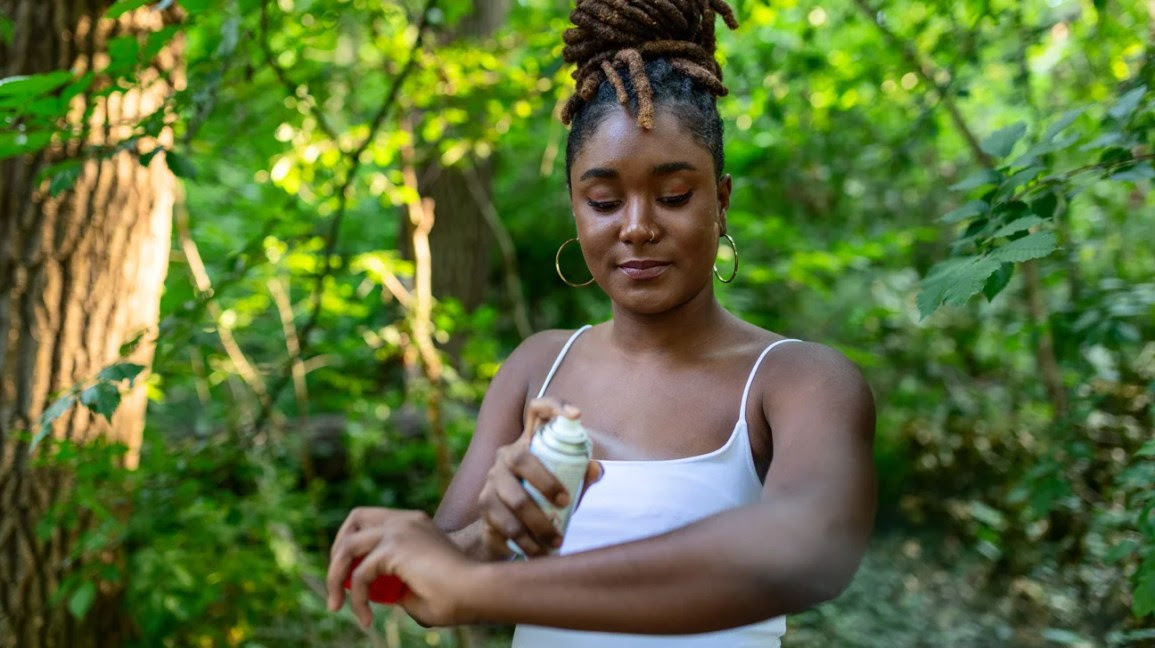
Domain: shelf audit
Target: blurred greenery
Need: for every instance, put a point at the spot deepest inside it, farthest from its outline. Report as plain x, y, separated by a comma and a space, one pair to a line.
955, 194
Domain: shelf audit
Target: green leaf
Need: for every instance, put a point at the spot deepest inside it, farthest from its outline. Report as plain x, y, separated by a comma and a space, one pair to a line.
57, 408
19, 143
76, 87
123, 53
49, 416
131, 343
63, 180
48, 108
1116, 155
180, 166
954, 281
1018, 225
82, 599
124, 6
1127, 103
980, 178
1020, 178
121, 371
1137, 173
1123, 550
1044, 206
1002, 142
972, 208
33, 85
1148, 450
1143, 597
1042, 148
102, 398
196, 6
997, 281
1033, 246
158, 39
146, 158
1062, 123
1112, 138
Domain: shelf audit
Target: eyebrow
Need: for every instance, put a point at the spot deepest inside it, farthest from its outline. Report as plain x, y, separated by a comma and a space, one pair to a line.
664, 168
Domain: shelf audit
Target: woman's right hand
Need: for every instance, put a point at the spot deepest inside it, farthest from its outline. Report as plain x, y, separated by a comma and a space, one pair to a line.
508, 512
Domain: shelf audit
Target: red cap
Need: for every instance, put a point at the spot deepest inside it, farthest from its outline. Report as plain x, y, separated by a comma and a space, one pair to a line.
386, 589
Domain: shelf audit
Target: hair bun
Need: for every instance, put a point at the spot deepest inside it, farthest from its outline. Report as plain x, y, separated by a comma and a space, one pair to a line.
609, 33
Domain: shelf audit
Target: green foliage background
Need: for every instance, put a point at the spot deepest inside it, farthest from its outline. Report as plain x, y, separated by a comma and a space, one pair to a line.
955, 194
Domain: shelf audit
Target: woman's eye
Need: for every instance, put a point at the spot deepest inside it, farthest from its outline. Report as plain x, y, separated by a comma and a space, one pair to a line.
603, 205
676, 201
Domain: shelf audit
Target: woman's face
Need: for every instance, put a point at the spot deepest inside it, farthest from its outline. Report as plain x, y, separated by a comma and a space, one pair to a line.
649, 211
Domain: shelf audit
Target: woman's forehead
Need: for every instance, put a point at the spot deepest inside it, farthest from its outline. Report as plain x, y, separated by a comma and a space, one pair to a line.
618, 140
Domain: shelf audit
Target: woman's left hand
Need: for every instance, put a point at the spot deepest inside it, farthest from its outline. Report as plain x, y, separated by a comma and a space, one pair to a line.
408, 545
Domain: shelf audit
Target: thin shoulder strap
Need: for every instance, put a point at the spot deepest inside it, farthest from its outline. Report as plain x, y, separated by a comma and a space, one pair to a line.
560, 357
750, 380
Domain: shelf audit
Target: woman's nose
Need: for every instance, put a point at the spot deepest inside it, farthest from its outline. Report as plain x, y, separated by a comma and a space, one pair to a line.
638, 226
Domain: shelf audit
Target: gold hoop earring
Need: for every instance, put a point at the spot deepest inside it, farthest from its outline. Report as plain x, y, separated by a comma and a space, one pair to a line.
734, 273
557, 266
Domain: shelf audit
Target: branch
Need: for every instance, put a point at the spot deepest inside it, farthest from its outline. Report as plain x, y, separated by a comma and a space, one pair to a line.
283, 76
421, 215
927, 72
1068, 175
280, 295
354, 167
378, 120
204, 286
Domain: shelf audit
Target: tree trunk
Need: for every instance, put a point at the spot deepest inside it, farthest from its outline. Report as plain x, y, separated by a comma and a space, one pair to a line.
461, 240
80, 275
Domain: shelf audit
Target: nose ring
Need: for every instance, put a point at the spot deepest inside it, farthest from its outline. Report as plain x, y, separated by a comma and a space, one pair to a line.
651, 239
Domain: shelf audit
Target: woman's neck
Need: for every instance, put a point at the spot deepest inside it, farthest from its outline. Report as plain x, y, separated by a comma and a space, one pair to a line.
685, 328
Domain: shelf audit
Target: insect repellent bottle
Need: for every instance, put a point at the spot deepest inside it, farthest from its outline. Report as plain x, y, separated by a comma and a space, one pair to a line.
564, 447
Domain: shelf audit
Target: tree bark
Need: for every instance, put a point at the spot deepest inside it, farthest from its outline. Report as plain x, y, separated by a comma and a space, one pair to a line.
80, 275
461, 240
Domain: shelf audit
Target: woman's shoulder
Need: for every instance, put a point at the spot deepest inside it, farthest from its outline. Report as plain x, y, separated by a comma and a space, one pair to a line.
536, 354
805, 375
801, 361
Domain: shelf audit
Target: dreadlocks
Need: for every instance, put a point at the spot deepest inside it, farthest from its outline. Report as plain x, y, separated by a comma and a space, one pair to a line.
608, 33
640, 53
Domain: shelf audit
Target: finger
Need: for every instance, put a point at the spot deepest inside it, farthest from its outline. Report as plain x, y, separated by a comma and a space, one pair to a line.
367, 572
350, 525
531, 519
594, 472
358, 519
494, 542
351, 547
541, 410
525, 466
501, 525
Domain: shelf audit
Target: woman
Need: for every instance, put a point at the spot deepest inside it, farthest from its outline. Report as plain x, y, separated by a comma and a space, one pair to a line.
733, 481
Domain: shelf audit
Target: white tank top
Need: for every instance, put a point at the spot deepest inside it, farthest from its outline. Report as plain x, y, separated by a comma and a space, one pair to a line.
640, 499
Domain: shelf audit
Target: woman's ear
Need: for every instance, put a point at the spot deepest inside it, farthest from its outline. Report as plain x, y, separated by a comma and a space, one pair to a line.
725, 185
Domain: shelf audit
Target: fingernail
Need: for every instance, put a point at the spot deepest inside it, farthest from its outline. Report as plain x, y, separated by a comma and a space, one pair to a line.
557, 541
562, 499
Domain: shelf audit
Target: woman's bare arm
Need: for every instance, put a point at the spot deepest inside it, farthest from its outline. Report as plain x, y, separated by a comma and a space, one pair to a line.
800, 545
500, 422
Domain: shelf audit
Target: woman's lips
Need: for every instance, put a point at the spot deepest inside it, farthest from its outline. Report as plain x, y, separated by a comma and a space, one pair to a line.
642, 270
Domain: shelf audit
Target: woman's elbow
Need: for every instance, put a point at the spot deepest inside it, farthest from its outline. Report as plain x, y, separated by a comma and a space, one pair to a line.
821, 578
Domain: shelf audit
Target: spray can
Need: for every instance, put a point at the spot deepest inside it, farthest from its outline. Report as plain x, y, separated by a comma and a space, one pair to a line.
564, 447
